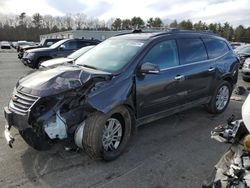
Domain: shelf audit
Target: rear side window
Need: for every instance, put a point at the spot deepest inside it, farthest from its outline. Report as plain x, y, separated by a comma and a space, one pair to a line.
191, 50
164, 54
215, 48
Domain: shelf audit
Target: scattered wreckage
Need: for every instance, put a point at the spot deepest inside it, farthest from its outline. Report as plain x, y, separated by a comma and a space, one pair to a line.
233, 169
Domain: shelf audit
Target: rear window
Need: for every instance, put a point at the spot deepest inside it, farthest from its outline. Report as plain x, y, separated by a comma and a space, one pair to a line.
215, 47
191, 50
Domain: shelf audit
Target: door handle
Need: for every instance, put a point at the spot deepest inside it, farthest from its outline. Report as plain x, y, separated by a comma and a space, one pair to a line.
211, 69
180, 77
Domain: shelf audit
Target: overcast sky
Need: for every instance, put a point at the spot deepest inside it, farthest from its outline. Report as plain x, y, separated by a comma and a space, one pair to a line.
233, 11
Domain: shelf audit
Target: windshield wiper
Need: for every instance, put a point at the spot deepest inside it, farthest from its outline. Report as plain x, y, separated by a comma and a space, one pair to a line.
88, 66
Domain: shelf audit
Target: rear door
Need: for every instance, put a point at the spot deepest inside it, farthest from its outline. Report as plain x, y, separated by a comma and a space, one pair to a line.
197, 69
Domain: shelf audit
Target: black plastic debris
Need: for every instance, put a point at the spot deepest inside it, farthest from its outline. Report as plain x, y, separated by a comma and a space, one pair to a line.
240, 90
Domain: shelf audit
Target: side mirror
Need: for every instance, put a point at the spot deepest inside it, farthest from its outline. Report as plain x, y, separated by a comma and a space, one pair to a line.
62, 47
149, 68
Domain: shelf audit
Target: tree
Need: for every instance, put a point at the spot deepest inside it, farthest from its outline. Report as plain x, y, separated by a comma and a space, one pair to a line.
126, 24
239, 33
154, 22
37, 20
117, 24
185, 25
80, 20
137, 22
174, 24
21, 18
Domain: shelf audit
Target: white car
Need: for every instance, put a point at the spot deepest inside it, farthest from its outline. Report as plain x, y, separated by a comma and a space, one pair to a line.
5, 45
71, 58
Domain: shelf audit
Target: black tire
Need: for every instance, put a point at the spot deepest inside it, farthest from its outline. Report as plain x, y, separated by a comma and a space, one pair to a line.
93, 133
41, 142
211, 106
245, 79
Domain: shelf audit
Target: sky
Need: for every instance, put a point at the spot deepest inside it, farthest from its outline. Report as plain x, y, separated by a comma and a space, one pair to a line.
235, 12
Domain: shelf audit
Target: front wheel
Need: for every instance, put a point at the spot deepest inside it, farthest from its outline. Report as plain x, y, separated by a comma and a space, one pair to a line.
105, 136
220, 99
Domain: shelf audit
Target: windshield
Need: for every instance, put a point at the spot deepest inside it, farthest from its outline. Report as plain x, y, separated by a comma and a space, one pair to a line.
79, 52
110, 55
57, 44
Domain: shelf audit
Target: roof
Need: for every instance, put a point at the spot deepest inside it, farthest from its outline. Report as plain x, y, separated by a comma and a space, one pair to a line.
141, 35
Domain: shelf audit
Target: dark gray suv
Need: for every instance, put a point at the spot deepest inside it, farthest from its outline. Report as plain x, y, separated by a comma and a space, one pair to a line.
123, 82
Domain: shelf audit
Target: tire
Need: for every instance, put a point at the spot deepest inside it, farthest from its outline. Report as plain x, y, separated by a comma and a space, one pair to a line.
245, 79
211, 107
94, 133
38, 142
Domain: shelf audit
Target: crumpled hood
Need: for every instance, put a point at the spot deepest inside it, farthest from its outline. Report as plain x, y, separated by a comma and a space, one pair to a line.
57, 61
46, 82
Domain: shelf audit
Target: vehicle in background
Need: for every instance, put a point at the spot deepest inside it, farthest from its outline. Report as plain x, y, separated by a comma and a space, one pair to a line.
42, 44
13, 44
235, 45
5, 45
123, 82
246, 70
241, 47
243, 54
34, 57
23, 43
69, 59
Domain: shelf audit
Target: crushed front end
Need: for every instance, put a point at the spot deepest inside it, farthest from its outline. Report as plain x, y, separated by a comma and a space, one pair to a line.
50, 105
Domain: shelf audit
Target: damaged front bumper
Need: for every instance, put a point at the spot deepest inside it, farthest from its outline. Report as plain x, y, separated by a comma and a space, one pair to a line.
8, 137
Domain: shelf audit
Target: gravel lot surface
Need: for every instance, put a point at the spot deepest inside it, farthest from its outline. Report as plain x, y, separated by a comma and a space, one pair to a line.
174, 152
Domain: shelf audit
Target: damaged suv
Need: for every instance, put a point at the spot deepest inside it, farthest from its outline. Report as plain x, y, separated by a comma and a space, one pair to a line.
123, 82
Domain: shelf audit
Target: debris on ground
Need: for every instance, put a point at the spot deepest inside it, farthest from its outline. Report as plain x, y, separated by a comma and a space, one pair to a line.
236, 98
240, 90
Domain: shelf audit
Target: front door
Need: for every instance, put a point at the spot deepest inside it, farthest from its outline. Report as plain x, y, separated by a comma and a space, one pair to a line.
156, 92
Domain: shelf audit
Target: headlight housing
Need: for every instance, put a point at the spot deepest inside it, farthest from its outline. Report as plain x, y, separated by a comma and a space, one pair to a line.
30, 55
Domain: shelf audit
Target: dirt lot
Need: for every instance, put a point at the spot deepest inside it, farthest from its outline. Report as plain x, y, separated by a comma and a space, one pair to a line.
173, 152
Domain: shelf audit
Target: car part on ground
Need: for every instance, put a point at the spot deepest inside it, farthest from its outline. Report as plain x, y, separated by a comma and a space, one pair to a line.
232, 170
123, 82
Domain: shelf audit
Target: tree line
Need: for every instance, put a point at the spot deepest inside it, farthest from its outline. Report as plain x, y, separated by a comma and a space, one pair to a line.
24, 27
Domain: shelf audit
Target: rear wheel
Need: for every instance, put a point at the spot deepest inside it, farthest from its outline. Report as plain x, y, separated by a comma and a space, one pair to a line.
106, 136
220, 99
38, 142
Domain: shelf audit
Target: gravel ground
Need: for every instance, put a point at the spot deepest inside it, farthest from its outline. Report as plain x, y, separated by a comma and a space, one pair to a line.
172, 152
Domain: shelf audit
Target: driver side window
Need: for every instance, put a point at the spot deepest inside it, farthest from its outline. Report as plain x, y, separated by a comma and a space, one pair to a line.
164, 54
71, 45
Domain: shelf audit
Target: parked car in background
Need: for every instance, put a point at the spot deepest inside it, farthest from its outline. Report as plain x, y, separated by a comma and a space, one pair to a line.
42, 44
243, 54
34, 57
123, 82
5, 45
69, 59
23, 43
246, 70
236, 45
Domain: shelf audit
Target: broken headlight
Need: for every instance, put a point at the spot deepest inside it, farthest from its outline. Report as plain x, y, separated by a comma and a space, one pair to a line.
66, 83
